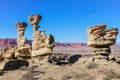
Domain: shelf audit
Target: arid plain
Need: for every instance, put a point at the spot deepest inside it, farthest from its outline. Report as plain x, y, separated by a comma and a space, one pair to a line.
76, 70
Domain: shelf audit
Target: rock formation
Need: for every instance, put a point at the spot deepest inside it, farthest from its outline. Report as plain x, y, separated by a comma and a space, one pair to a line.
21, 26
23, 50
34, 20
42, 44
8, 53
100, 40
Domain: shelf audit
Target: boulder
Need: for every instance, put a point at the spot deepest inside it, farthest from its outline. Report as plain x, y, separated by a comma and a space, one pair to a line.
100, 40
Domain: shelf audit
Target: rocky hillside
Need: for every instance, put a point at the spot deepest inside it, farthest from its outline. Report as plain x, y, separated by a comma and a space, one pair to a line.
12, 41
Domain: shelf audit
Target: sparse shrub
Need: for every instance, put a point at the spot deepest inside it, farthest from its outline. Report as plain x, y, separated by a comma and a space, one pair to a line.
50, 78
107, 78
118, 60
78, 76
84, 76
66, 77
91, 65
27, 76
111, 74
90, 78
31, 72
29, 68
23, 68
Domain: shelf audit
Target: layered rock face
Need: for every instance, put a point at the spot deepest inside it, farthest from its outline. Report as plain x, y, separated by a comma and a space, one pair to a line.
8, 53
23, 50
21, 26
42, 44
100, 40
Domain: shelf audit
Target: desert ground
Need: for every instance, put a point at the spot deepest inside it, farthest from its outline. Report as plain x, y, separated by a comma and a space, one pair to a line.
74, 65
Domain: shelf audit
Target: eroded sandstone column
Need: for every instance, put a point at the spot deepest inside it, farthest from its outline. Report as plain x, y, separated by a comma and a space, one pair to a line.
23, 50
34, 21
100, 40
21, 26
42, 44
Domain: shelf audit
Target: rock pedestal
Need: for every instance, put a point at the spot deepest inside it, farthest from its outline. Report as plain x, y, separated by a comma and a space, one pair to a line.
42, 44
23, 50
21, 26
34, 20
100, 40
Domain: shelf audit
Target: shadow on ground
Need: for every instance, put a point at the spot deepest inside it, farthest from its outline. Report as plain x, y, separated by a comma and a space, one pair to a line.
1, 73
15, 64
62, 59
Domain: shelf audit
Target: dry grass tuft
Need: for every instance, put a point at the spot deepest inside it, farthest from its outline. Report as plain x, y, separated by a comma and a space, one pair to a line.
27, 76
91, 65
111, 75
66, 77
78, 76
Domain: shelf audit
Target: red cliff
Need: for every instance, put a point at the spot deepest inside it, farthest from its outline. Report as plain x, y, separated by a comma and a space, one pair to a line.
6, 42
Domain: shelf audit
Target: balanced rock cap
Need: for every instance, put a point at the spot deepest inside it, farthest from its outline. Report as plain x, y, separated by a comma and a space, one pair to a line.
99, 36
21, 24
94, 29
34, 19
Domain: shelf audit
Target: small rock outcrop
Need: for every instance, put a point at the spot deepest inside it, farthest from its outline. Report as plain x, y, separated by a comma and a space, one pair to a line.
8, 53
42, 44
23, 50
100, 40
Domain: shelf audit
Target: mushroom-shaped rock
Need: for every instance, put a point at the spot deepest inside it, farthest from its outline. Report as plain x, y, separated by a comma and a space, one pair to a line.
42, 44
34, 19
22, 50
98, 36
100, 40
21, 25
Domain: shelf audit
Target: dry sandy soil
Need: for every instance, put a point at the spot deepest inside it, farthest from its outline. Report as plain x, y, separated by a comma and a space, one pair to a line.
81, 69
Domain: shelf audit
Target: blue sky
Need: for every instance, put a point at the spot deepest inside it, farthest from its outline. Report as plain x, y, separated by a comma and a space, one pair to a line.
67, 20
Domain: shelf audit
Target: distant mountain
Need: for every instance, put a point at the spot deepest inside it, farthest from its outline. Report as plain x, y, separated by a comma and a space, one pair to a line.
70, 44
6, 42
